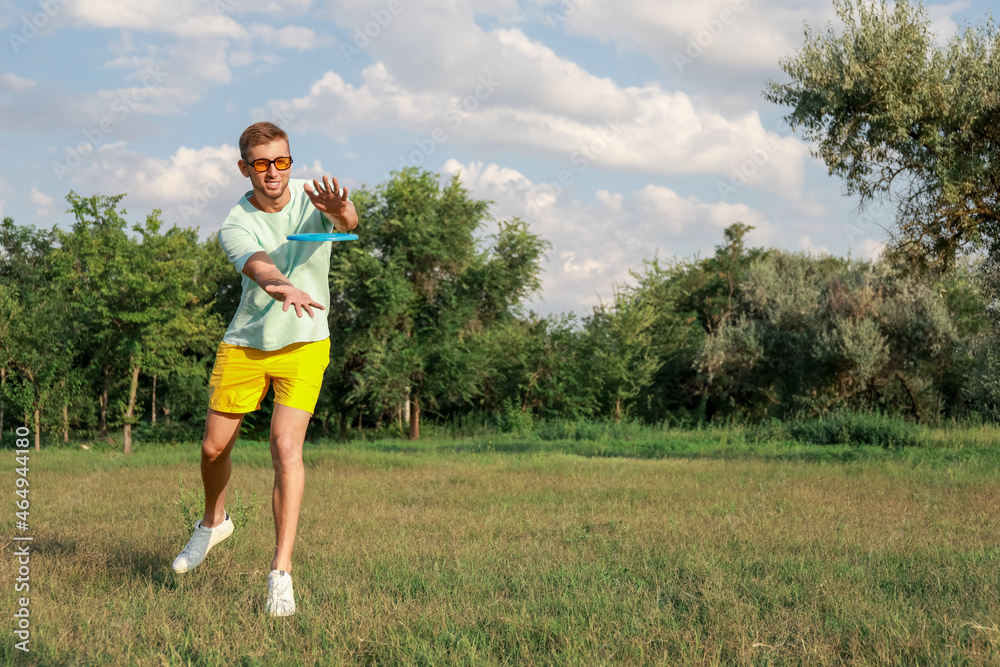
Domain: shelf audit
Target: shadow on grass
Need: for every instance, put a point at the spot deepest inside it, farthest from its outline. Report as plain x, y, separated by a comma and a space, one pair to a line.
142, 565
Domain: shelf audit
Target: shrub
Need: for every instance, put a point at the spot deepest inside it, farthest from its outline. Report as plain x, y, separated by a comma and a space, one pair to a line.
843, 428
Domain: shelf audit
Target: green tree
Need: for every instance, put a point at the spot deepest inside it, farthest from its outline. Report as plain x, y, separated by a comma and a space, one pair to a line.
617, 341
901, 119
415, 297
541, 368
36, 345
691, 299
815, 334
130, 296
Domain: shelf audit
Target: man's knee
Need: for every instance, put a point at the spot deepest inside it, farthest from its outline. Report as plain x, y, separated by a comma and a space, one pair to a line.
221, 430
286, 452
213, 450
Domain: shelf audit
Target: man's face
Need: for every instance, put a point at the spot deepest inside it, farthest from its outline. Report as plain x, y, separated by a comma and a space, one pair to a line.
270, 185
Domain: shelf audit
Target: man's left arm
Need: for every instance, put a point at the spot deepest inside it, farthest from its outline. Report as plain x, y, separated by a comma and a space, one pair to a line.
333, 201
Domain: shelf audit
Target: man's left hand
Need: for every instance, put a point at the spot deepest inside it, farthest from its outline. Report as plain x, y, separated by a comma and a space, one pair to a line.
328, 197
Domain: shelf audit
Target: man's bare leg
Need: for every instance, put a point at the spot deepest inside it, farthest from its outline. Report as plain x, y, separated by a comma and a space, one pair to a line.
221, 429
288, 432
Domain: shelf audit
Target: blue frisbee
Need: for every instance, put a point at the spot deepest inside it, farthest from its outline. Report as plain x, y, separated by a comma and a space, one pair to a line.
322, 237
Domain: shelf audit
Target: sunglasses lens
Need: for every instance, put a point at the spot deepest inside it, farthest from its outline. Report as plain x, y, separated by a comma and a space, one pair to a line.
261, 165
283, 163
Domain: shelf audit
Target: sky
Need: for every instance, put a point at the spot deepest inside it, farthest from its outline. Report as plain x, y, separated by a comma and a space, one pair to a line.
623, 132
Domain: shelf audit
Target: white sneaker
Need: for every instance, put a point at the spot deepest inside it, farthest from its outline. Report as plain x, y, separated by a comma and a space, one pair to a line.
199, 544
280, 597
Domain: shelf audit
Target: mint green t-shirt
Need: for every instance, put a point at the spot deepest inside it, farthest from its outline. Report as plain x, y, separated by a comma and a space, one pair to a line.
260, 321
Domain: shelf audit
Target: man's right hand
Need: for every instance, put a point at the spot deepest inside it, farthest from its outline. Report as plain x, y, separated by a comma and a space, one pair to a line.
261, 269
292, 296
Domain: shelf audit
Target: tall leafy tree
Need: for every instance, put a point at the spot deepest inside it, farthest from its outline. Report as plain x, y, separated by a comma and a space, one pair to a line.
414, 298
36, 345
617, 340
133, 297
901, 118
690, 299
542, 368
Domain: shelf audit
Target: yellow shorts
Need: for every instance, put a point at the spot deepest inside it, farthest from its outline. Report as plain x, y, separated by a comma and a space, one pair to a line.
242, 375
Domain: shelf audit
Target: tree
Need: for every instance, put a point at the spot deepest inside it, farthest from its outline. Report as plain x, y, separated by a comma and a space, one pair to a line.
130, 297
36, 343
414, 298
617, 343
903, 120
811, 335
691, 299
541, 368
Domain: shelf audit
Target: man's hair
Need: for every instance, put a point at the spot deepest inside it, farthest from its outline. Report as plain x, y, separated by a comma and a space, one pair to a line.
260, 133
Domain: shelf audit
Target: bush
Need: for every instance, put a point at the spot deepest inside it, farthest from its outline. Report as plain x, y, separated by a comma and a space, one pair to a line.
625, 430
843, 428
515, 420
169, 434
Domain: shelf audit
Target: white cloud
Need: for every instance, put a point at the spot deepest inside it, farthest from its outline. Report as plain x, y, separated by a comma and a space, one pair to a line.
289, 37
11, 83
691, 37
524, 97
806, 244
182, 18
942, 23
47, 107
46, 204
872, 249
596, 244
194, 187
207, 36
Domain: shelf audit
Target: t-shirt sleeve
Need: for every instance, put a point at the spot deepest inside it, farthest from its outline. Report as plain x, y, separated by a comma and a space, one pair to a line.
239, 245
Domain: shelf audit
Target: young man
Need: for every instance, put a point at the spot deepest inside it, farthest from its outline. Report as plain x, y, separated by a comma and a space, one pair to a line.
279, 334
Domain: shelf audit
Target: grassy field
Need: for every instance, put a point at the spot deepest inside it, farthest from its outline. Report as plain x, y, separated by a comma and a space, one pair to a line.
512, 551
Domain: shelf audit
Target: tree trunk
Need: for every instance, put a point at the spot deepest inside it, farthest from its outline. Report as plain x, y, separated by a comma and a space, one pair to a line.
102, 420
914, 406
166, 413
343, 426
130, 410
38, 430
66, 421
618, 410
414, 416
154, 401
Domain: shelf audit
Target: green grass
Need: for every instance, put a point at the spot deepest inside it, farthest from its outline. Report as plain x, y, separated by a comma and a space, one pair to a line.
678, 548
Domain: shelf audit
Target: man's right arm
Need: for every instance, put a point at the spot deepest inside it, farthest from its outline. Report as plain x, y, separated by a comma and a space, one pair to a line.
261, 269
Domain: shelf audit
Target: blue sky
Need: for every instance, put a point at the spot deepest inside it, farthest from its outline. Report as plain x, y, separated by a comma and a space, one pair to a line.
622, 131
